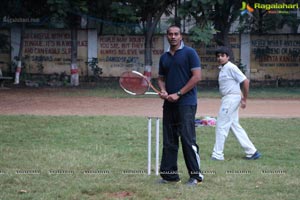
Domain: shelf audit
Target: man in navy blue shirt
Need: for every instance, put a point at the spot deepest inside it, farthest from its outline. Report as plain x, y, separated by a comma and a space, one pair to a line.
179, 73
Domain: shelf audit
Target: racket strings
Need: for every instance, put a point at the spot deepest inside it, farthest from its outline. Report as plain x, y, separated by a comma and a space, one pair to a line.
133, 83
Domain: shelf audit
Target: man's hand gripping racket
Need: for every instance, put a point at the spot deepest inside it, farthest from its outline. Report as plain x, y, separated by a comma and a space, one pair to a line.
135, 83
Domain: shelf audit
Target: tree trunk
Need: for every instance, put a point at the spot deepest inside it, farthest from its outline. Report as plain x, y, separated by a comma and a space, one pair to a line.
19, 63
221, 38
151, 23
74, 67
148, 54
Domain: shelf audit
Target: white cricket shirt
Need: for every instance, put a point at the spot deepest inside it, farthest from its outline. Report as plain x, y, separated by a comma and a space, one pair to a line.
230, 77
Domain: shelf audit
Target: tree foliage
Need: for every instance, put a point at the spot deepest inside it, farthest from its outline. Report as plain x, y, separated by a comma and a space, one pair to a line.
18, 13
147, 13
198, 11
212, 18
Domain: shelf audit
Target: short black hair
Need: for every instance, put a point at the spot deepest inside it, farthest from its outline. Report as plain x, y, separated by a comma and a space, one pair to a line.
172, 26
222, 49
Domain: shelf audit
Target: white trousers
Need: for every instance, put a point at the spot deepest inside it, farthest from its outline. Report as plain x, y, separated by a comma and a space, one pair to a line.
228, 119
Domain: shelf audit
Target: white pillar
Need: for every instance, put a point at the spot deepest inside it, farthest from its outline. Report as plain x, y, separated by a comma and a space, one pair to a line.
15, 42
166, 43
92, 47
245, 53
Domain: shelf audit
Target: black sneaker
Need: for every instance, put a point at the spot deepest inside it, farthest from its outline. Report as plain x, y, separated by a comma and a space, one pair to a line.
163, 181
193, 182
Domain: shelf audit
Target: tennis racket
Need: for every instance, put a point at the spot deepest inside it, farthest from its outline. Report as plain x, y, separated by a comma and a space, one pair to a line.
135, 83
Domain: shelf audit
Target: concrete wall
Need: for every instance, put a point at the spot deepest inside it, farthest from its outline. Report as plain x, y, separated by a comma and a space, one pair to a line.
121, 53
267, 57
275, 57
5, 53
207, 55
52, 49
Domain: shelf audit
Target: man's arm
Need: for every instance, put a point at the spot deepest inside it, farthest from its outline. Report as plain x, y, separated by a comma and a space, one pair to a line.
196, 77
162, 85
245, 90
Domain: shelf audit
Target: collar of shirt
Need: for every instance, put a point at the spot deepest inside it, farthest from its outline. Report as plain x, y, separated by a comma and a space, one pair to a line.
221, 66
181, 46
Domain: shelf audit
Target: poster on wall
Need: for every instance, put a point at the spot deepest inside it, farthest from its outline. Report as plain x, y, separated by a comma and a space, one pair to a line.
5, 52
49, 51
123, 53
275, 56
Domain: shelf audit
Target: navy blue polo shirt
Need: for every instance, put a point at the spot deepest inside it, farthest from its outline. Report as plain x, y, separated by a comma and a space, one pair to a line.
177, 71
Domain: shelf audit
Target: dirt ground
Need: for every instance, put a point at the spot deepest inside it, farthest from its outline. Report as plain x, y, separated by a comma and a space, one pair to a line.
45, 101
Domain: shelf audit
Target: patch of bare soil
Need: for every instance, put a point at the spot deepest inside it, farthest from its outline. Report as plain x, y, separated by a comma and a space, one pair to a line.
45, 101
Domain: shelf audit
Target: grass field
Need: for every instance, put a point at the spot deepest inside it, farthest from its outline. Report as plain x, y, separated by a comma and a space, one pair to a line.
71, 157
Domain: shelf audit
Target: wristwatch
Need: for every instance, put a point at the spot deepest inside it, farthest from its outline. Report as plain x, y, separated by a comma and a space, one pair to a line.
179, 93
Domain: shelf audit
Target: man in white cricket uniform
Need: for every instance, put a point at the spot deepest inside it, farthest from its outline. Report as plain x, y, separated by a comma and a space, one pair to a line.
234, 87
